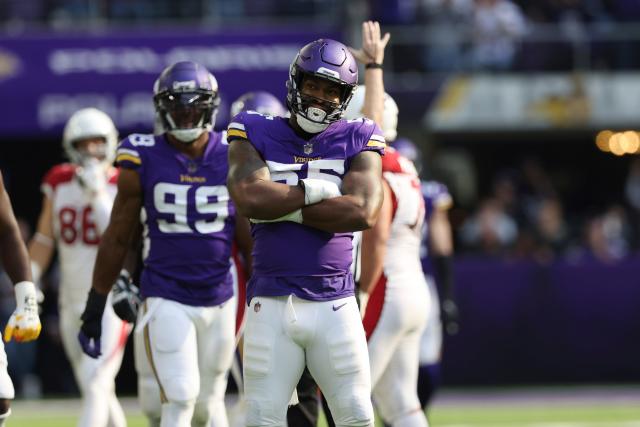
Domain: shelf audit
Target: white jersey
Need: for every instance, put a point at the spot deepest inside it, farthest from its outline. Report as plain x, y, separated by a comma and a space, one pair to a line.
403, 247
75, 231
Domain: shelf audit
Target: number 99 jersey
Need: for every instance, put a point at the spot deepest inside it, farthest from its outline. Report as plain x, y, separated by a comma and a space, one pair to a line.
188, 219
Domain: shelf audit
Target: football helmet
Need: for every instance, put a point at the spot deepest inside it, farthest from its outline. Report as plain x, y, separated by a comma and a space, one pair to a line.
89, 123
326, 59
186, 99
262, 102
389, 115
410, 151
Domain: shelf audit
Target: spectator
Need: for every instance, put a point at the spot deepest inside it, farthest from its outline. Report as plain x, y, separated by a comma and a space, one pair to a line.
445, 35
498, 26
490, 230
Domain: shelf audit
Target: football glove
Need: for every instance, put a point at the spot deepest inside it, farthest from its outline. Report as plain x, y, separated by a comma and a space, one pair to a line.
91, 328
317, 190
24, 324
125, 298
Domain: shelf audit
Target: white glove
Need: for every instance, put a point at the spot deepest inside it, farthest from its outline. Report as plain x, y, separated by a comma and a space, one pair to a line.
92, 177
24, 323
317, 190
295, 216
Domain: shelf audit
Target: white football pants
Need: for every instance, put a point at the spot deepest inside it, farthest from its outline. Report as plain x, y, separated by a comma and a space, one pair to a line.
431, 340
6, 385
96, 377
394, 352
190, 350
282, 334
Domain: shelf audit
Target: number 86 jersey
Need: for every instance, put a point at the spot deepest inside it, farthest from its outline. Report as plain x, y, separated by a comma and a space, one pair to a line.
188, 219
76, 233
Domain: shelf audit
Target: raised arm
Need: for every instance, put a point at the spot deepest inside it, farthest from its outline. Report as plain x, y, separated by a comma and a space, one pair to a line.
359, 206
251, 188
372, 56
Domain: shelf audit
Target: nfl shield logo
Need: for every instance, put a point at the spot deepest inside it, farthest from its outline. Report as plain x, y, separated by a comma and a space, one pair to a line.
192, 167
308, 148
256, 307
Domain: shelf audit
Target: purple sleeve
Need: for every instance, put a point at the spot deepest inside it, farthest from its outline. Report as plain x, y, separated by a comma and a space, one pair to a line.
128, 155
372, 137
245, 126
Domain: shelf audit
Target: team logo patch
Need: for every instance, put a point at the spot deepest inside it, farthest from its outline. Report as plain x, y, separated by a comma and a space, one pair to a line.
256, 307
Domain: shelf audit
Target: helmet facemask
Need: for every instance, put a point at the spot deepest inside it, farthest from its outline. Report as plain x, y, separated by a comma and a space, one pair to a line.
314, 114
187, 115
97, 152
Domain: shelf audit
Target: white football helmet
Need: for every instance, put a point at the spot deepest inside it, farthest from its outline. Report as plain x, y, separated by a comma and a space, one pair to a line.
89, 123
389, 116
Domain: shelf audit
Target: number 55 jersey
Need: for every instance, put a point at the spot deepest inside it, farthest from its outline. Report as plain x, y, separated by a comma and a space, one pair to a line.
291, 258
188, 219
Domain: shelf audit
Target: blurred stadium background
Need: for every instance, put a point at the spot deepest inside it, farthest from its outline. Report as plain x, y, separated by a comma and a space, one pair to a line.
527, 110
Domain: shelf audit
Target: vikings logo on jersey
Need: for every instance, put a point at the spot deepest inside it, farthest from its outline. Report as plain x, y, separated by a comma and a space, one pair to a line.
286, 249
188, 219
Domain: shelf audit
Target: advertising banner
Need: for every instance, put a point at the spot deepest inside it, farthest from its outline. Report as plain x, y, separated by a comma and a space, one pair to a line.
45, 78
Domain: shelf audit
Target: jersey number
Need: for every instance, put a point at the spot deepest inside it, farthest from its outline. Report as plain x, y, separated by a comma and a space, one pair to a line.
78, 223
172, 199
317, 169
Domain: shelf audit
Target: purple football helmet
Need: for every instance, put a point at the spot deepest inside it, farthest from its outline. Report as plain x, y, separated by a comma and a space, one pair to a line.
186, 100
326, 59
260, 101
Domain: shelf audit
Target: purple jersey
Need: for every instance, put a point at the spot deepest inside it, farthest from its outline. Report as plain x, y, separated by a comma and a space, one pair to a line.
436, 196
291, 258
188, 218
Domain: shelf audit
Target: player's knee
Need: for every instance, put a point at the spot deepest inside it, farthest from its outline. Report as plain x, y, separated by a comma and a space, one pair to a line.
264, 413
180, 389
396, 403
353, 408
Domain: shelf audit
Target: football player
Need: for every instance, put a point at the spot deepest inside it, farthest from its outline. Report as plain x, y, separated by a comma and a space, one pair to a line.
77, 201
307, 182
438, 249
261, 102
393, 293
176, 181
24, 323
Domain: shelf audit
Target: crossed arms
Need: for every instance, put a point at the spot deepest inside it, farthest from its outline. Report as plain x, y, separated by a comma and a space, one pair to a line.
257, 197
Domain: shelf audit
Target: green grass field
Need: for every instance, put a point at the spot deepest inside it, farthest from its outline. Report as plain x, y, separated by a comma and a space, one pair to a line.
448, 413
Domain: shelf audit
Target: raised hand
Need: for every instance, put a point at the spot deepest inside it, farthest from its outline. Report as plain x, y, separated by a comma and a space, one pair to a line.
373, 45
